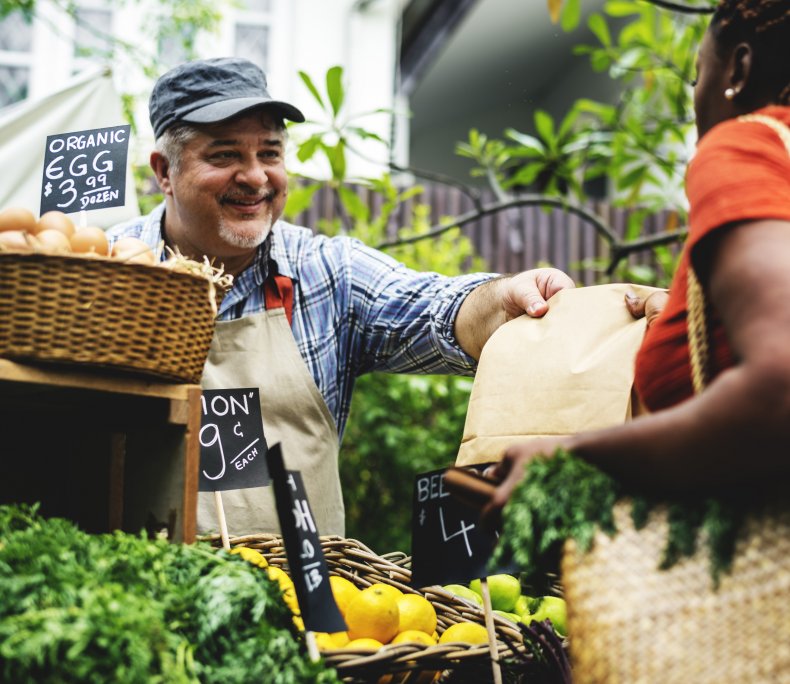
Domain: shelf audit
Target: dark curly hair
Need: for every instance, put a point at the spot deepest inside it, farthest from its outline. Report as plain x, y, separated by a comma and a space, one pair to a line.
765, 26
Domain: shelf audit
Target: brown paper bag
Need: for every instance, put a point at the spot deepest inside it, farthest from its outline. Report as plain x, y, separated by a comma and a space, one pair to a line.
570, 371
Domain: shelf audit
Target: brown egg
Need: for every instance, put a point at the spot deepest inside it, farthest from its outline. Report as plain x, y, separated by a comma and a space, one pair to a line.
51, 240
90, 240
132, 250
55, 220
17, 218
15, 241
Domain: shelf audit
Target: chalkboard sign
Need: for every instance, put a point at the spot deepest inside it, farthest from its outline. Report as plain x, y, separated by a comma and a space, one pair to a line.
448, 545
85, 170
303, 548
232, 445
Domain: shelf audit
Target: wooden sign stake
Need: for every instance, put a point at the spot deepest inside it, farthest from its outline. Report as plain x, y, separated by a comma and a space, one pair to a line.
312, 646
489, 616
223, 526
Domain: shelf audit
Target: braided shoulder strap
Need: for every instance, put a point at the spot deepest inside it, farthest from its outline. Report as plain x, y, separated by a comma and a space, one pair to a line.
699, 351
699, 348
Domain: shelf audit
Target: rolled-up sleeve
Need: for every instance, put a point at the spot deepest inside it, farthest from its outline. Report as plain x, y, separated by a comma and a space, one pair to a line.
404, 319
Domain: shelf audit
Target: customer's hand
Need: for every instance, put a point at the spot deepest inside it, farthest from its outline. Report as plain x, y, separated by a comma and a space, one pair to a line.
510, 471
650, 307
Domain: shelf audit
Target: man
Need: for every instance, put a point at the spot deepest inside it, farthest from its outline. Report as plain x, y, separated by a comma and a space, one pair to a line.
307, 314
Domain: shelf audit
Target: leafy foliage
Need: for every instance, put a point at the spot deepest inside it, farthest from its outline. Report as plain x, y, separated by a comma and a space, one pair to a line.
640, 144
400, 426
564, 497
84, 608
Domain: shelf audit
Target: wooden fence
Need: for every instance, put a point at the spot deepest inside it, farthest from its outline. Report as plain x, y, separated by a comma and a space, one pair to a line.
511, 240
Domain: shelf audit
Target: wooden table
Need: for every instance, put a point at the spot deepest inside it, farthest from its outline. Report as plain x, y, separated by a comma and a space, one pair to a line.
107, 450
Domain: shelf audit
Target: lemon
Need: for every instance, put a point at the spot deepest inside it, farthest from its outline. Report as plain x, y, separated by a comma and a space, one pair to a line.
372, 613
466, 632
250, 555
324, 642
286, 587
413, 636
416, 612
504, 590
364, 643
330, 641
343, 590
388, 589
339, 638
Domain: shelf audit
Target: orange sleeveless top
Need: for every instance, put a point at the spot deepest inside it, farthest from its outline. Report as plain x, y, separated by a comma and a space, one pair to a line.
741, 172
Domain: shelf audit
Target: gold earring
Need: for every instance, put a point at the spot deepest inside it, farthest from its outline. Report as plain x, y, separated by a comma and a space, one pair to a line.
730, 93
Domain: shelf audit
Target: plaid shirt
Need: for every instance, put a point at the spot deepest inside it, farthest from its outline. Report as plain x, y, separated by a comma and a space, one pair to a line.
355, 309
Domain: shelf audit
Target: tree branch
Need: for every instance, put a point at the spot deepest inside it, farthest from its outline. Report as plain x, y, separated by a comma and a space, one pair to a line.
494, 208
619, 249
681, 7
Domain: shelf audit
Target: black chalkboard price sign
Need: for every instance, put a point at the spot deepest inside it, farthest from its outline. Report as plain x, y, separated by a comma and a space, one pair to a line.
303, 548
85, 170
232, 445
448, 545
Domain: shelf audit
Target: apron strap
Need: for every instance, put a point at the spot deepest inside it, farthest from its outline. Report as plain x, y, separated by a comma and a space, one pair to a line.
278, 293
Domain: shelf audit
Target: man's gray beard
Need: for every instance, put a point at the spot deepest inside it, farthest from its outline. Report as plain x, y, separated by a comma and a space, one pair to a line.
243, 241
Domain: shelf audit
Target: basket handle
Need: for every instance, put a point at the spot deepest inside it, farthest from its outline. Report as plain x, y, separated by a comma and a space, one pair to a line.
697, 320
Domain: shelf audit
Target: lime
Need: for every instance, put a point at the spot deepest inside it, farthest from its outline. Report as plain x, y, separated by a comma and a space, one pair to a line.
553, 608
513, 617
504, 590
524, 605
464, 592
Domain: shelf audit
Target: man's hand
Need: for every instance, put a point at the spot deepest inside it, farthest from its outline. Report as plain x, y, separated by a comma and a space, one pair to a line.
499, 300
529, 290
650, 307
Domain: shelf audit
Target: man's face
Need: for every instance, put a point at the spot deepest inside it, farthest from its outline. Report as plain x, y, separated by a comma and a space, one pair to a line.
230, 188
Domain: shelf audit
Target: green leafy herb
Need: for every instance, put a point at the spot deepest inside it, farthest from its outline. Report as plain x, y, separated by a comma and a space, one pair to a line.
76, 607
564, 497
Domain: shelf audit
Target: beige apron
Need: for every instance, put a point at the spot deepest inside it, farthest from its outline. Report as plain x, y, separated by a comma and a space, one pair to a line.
260, 351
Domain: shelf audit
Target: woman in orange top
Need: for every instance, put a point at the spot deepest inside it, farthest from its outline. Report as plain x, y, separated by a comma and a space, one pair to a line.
737, 431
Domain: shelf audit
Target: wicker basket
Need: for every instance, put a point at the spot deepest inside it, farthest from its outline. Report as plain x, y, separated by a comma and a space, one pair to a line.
105, 313
402, 663
631, 623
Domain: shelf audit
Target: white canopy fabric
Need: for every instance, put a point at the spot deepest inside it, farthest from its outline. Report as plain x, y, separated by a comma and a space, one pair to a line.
88, 101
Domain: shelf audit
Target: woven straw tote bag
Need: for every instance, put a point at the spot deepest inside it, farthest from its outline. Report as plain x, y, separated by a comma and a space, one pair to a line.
632, 623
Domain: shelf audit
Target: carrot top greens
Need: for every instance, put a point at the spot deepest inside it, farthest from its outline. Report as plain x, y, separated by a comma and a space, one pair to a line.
76, 607
564, 497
